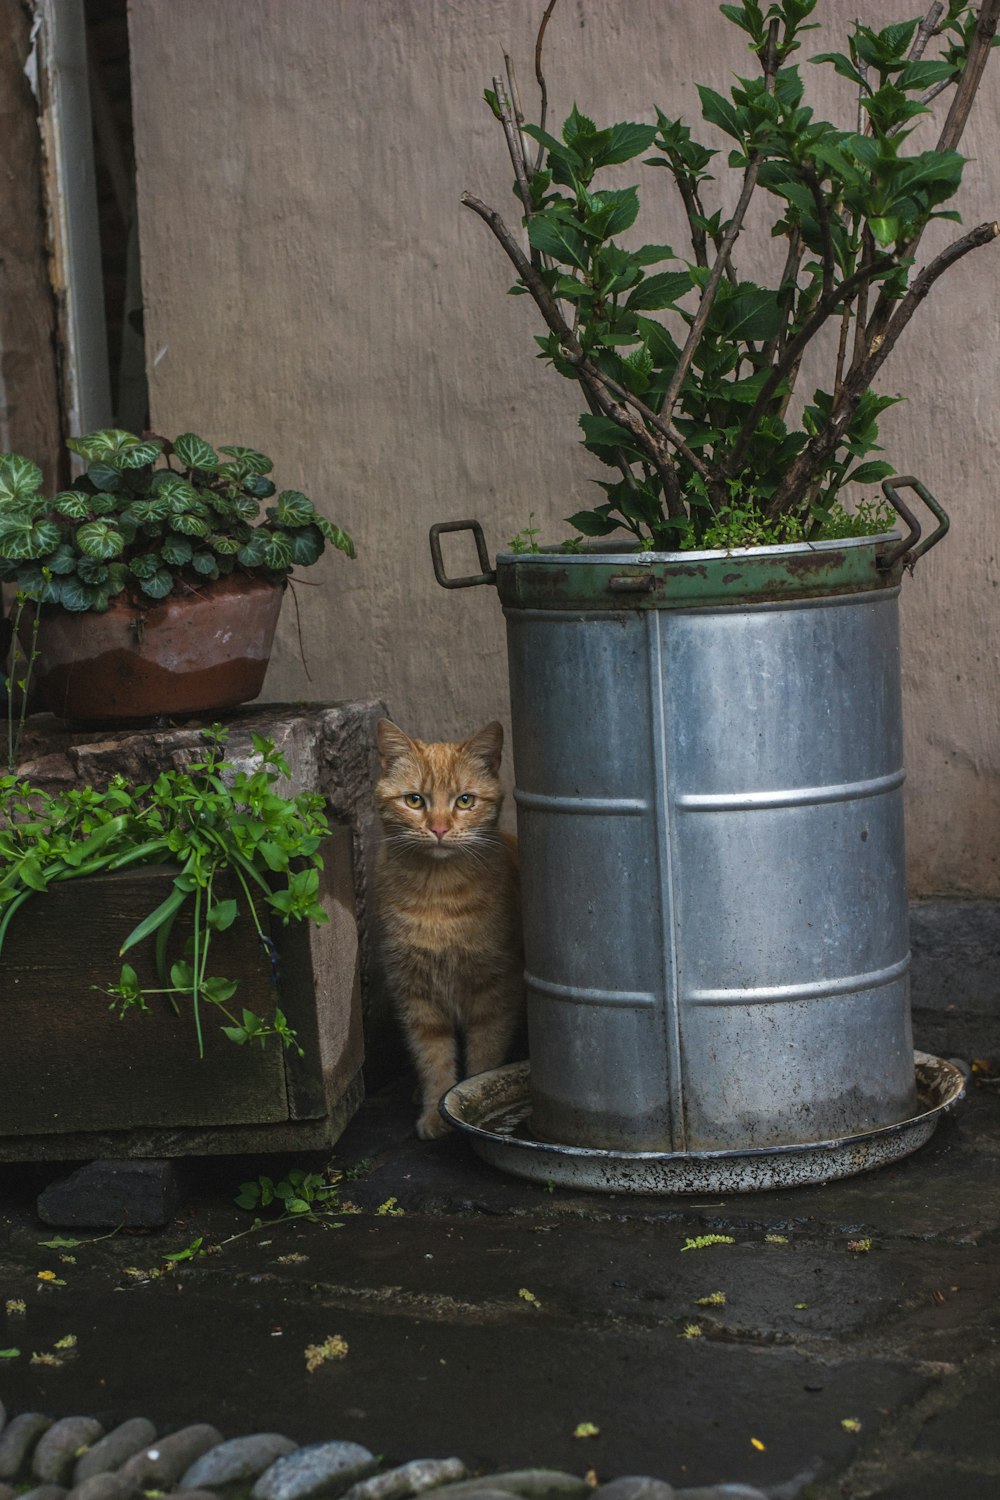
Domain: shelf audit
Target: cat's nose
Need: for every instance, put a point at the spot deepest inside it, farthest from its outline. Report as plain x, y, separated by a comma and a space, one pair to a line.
439, 833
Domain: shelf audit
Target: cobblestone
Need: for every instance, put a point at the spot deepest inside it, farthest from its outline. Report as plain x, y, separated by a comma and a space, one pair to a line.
115, 1468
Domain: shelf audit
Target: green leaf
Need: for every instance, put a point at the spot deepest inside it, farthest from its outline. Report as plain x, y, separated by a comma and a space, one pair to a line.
277, 551
307, 546
625, 141
72, 503
592, 523
721, 112
292, 508
12, 1353
175, 550
221, 914
19, 477
334, 535
92, 571
25, 539
149, 511
104, 476
190, 524
205, 564
181, 975
194, 452
602, 432
662, 290
553, 235
885, 230
870, 473
75, 595
99, 539
254, 462
159, 585
136, 455
176, 491
217, 991
251, 554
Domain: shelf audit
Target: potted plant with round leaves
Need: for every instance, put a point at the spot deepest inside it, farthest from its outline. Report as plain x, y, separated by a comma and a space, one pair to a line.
158, 582
706, 712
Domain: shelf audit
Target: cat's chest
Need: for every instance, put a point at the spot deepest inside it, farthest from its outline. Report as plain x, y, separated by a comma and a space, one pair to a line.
436, 926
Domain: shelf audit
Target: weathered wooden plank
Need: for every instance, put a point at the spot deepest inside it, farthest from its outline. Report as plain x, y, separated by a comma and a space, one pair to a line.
70, 1065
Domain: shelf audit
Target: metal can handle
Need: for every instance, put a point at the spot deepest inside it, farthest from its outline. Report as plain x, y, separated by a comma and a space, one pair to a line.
488, 575
908, 549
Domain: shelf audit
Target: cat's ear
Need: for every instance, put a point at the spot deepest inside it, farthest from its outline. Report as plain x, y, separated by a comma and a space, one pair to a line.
487, 746
392, 742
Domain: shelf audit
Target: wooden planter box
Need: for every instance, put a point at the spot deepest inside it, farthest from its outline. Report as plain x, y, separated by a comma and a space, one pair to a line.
78, 1081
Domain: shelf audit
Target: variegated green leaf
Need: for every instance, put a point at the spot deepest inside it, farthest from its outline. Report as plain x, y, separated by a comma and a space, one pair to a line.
76, 595
252, 461
72, 503
175, 550
137, 454
251, 554
62, 560
107, 443
156, 508
19, 477
277, 550
92, 571
225, 546
307, 546
28, 539
190, 524
104, 475
292, 508
159, 586
194, 452
99, 539
205, 564
172, 488
145, 565
335, 536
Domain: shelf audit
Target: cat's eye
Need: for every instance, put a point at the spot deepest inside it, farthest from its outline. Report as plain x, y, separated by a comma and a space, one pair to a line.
413, 799
465, 800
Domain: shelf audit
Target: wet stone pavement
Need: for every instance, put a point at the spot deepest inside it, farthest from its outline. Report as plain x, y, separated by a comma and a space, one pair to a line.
460, 1314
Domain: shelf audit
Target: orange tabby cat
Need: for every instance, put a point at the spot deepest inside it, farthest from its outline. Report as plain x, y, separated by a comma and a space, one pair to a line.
447, 892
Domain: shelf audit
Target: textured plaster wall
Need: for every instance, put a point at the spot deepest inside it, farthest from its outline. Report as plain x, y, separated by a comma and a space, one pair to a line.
314, 288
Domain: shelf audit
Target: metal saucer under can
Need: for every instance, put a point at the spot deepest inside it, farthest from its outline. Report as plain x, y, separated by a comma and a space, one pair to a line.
493, 1109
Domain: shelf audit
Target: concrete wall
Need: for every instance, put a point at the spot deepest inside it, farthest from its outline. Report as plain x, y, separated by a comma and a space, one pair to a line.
314, 288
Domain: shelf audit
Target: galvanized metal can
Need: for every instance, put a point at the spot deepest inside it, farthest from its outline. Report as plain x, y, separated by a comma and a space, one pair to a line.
708, 761
709, 804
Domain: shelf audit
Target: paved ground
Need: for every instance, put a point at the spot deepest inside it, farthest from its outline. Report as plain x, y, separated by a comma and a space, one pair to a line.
831, 1369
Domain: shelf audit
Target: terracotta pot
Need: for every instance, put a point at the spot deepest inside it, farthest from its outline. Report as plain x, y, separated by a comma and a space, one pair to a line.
189, 653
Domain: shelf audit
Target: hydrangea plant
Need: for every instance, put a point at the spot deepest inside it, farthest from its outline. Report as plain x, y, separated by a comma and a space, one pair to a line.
688, 358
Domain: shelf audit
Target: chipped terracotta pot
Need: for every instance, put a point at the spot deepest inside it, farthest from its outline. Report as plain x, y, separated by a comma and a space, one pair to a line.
187, 654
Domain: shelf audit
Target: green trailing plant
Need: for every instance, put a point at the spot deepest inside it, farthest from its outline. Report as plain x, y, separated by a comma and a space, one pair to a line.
210, 819
688, 365
300, 1194
150, 517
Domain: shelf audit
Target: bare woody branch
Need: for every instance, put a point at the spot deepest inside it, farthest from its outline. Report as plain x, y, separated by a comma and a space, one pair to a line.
540, 76
821, 447
925, 31
701, 317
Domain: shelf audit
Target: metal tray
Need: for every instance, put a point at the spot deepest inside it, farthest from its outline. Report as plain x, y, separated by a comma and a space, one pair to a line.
493, 1110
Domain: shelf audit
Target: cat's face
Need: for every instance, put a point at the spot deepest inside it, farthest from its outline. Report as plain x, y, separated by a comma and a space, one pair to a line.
440, 799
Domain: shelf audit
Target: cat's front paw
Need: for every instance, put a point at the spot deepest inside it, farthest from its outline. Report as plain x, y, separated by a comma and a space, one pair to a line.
431, 1126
